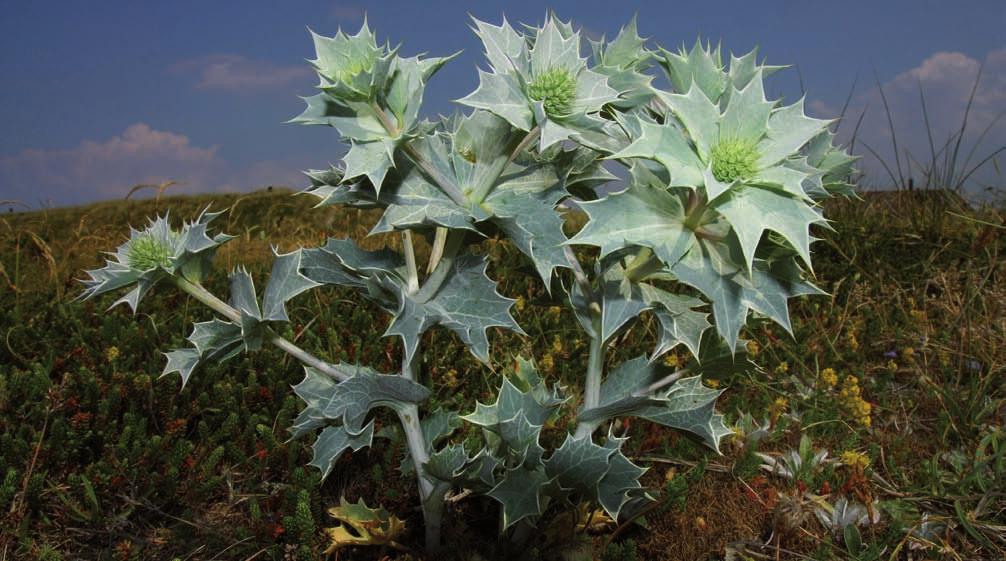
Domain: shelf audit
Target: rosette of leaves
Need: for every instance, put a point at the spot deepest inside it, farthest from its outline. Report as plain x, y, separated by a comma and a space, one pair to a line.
513, 467
728, 208
155, 253
539, 81
371, 95
516, 195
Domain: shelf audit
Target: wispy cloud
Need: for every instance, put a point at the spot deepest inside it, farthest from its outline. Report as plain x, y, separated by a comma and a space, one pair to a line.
104, 169
945, 79
238, 74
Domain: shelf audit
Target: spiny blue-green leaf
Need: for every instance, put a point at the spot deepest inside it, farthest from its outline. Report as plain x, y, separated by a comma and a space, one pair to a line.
520, 491
370, 159
435, 427
537, 403
505, 48
285, 282
666, 144
216, 339
501, 94
690, 406
578, 464
213, 340
243, 297
553, 49
686, 404
620, 483
447, 464
467, 303
335, 440
745, 68
354, 120
592, 92
702, 66
716, 269
746, 116
245, 301
785, 178
789, 130
621, 302
183, 361
627, 50
349, 401
640, 216
752, 211
699, 115
531, 222
520, 438
679, 322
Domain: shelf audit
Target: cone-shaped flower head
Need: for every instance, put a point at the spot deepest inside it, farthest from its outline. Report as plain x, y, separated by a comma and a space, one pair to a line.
156, 252
747, 159
147, 252
733, 160
555, 89
540, 80
346, 64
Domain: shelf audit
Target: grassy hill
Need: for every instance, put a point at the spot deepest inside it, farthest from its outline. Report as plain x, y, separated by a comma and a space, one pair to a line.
899, 375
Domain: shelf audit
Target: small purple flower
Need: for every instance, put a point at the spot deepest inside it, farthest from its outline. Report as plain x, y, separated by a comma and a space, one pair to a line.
891, 354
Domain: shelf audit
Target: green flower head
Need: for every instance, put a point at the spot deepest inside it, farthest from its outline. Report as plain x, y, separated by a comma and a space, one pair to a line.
151, 254
539, 79
348, 64
556, 89
146, 252
733, 160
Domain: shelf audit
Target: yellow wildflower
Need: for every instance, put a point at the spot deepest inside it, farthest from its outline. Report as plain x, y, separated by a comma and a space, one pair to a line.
548, 363
783, 368
112, 353
519, 304
851, 340
829, 378
753, 348
777, 408
671, 360
855, 459
712, 383
557, 345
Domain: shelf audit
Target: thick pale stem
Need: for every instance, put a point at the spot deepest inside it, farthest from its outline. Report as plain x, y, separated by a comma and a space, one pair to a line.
433, 509
204, 296
446, 184
642, 265
595, 367
410, 262
482, 190
439, 274
437, 252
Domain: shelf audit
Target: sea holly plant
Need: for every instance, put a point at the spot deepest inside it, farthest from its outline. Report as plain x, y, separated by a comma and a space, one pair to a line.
709, 227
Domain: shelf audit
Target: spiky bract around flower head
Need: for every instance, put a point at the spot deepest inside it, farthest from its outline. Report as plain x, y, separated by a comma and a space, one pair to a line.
156, 252
148, 252
539, 79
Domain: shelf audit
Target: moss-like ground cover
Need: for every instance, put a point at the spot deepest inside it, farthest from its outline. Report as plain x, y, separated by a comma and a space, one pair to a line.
899, 375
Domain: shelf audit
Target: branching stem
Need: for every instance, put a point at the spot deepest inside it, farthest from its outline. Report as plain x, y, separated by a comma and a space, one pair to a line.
204, 296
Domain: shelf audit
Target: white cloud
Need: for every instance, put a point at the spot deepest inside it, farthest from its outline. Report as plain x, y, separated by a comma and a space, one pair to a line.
946, 80
239, 74
107, 169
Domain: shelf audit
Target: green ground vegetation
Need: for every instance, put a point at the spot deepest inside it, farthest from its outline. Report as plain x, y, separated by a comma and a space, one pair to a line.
898, 375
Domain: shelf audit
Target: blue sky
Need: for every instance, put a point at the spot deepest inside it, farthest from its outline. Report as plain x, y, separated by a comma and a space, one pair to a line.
98, 96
